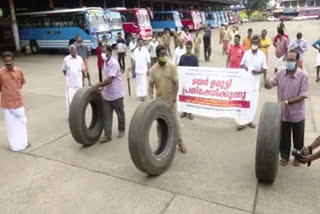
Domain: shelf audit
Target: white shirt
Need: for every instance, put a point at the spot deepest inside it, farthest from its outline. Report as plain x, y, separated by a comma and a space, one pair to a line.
132, 45
74, 67
177, 54
152, 48
141, 58
255, 61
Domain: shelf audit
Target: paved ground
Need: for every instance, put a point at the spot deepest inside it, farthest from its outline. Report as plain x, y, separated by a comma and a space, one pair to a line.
57, 175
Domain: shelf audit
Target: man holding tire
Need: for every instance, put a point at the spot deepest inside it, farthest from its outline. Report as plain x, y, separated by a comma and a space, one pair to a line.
292, 83
164, 77
113, 94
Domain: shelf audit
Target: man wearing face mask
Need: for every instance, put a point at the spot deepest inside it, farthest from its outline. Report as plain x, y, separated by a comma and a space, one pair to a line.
11, 82
74, 69
113, 94
300, 45
142, 64
164, 77
191, 60
293, 86
152, 49
281, 45
253, 61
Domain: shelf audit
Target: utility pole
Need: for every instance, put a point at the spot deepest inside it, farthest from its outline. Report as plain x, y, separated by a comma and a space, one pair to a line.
51, 4
104, 4
14, 26
81, 3
123, 3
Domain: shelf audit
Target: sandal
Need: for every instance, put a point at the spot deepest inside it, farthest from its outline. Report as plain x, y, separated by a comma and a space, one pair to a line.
190, 116
284, 162
182, 148
251, 125
295, 162
183, 115
239, 128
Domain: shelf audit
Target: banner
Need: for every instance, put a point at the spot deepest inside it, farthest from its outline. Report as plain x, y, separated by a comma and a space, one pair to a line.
218, 92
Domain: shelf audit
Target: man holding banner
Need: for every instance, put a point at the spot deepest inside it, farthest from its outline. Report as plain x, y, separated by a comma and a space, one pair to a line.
253, 61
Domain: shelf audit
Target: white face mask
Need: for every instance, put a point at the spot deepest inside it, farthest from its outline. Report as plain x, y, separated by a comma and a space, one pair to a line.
254, 47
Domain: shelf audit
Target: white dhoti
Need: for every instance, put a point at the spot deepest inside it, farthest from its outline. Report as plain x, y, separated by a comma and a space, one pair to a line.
142, 90
16, 122
318, 60
70, 92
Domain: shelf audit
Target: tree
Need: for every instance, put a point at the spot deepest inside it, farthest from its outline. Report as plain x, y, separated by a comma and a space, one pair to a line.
257, 4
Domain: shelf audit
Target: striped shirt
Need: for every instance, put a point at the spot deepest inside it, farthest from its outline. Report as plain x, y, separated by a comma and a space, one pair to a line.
289, 87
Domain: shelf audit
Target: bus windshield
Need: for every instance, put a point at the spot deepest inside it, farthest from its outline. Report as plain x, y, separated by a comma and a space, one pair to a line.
98, 21
116, 23
144, 20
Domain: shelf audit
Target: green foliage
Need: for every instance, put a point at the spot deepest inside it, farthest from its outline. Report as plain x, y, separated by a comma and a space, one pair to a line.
257, 4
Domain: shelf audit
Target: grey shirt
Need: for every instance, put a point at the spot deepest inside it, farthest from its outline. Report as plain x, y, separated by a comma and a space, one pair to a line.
83, 51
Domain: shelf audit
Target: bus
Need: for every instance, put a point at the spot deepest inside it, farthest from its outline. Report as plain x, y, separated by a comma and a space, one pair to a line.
310, 12
135, 21
213, 20
56, 28
190, 19
204, 21
115, 23
163, 20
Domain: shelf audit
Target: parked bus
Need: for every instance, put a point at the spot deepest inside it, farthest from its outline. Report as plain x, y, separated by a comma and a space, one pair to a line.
309, 12
231, 17
114, 20
190, 19
204, 21
213, 19
54, 29
163, 20
135, 21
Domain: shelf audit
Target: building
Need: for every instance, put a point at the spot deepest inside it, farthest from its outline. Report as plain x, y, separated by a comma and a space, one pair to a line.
297, 3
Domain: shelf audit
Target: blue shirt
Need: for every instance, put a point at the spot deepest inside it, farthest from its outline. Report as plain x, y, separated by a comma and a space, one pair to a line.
317, 43
189, 60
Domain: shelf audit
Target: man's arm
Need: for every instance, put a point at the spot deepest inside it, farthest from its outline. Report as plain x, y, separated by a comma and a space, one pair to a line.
150, 89
316, 46
228, 60
102, 84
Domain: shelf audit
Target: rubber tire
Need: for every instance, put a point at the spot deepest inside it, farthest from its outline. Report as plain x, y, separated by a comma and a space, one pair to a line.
34, 47
80, 132
268, 143
140, 151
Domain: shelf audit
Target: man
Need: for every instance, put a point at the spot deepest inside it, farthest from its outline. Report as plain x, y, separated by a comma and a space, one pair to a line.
166, 40
74, 69
83, 51
197, 43
275, 39
235, 53
246, 42
100, 61
282, 26
281, 46
113, 94
105, 41
186, 35
292, 83
253, 61
316, 45
164, 77
180, 50
300, 45
142, 65
265, 44
225, 37
11, 82
191, 60
121, 47
133, 45
207, 45
152, 49
176, 37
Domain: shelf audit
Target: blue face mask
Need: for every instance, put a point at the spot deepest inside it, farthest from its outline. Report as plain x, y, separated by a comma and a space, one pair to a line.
291, 66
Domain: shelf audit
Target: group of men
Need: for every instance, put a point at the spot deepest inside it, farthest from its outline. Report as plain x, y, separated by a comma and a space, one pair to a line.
290, 79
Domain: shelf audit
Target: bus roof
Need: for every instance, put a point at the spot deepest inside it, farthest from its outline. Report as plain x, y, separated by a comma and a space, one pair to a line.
60, 11
165, 12
308, 8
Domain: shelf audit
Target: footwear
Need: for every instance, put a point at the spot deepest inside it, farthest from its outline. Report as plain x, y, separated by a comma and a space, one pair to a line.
295, 162
239, 127
183, 115
318, 79
121, 134
182, 148
190, 116
284, 162
143, 99
105, 139
251, 125
29, 144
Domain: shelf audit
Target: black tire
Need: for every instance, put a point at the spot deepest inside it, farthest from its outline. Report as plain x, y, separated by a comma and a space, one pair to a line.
80, 132
34, 47
152, 163
268, 142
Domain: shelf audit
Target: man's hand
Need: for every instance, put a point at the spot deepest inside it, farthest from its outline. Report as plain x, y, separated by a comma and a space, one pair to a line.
94, 88
283, 106
308, 158
254, 72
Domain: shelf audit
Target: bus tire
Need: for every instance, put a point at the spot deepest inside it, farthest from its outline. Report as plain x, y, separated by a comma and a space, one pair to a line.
34, 47
128, 37
80, 132
268, 142
146, 160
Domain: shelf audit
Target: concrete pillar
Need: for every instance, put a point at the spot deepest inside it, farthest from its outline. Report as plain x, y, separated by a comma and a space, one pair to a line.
80, 3
104, 4
51, 3
14, 26
162, 6
123, 3
138, 3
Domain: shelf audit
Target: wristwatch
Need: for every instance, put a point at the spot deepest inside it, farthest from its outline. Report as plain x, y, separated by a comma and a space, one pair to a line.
286, 102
